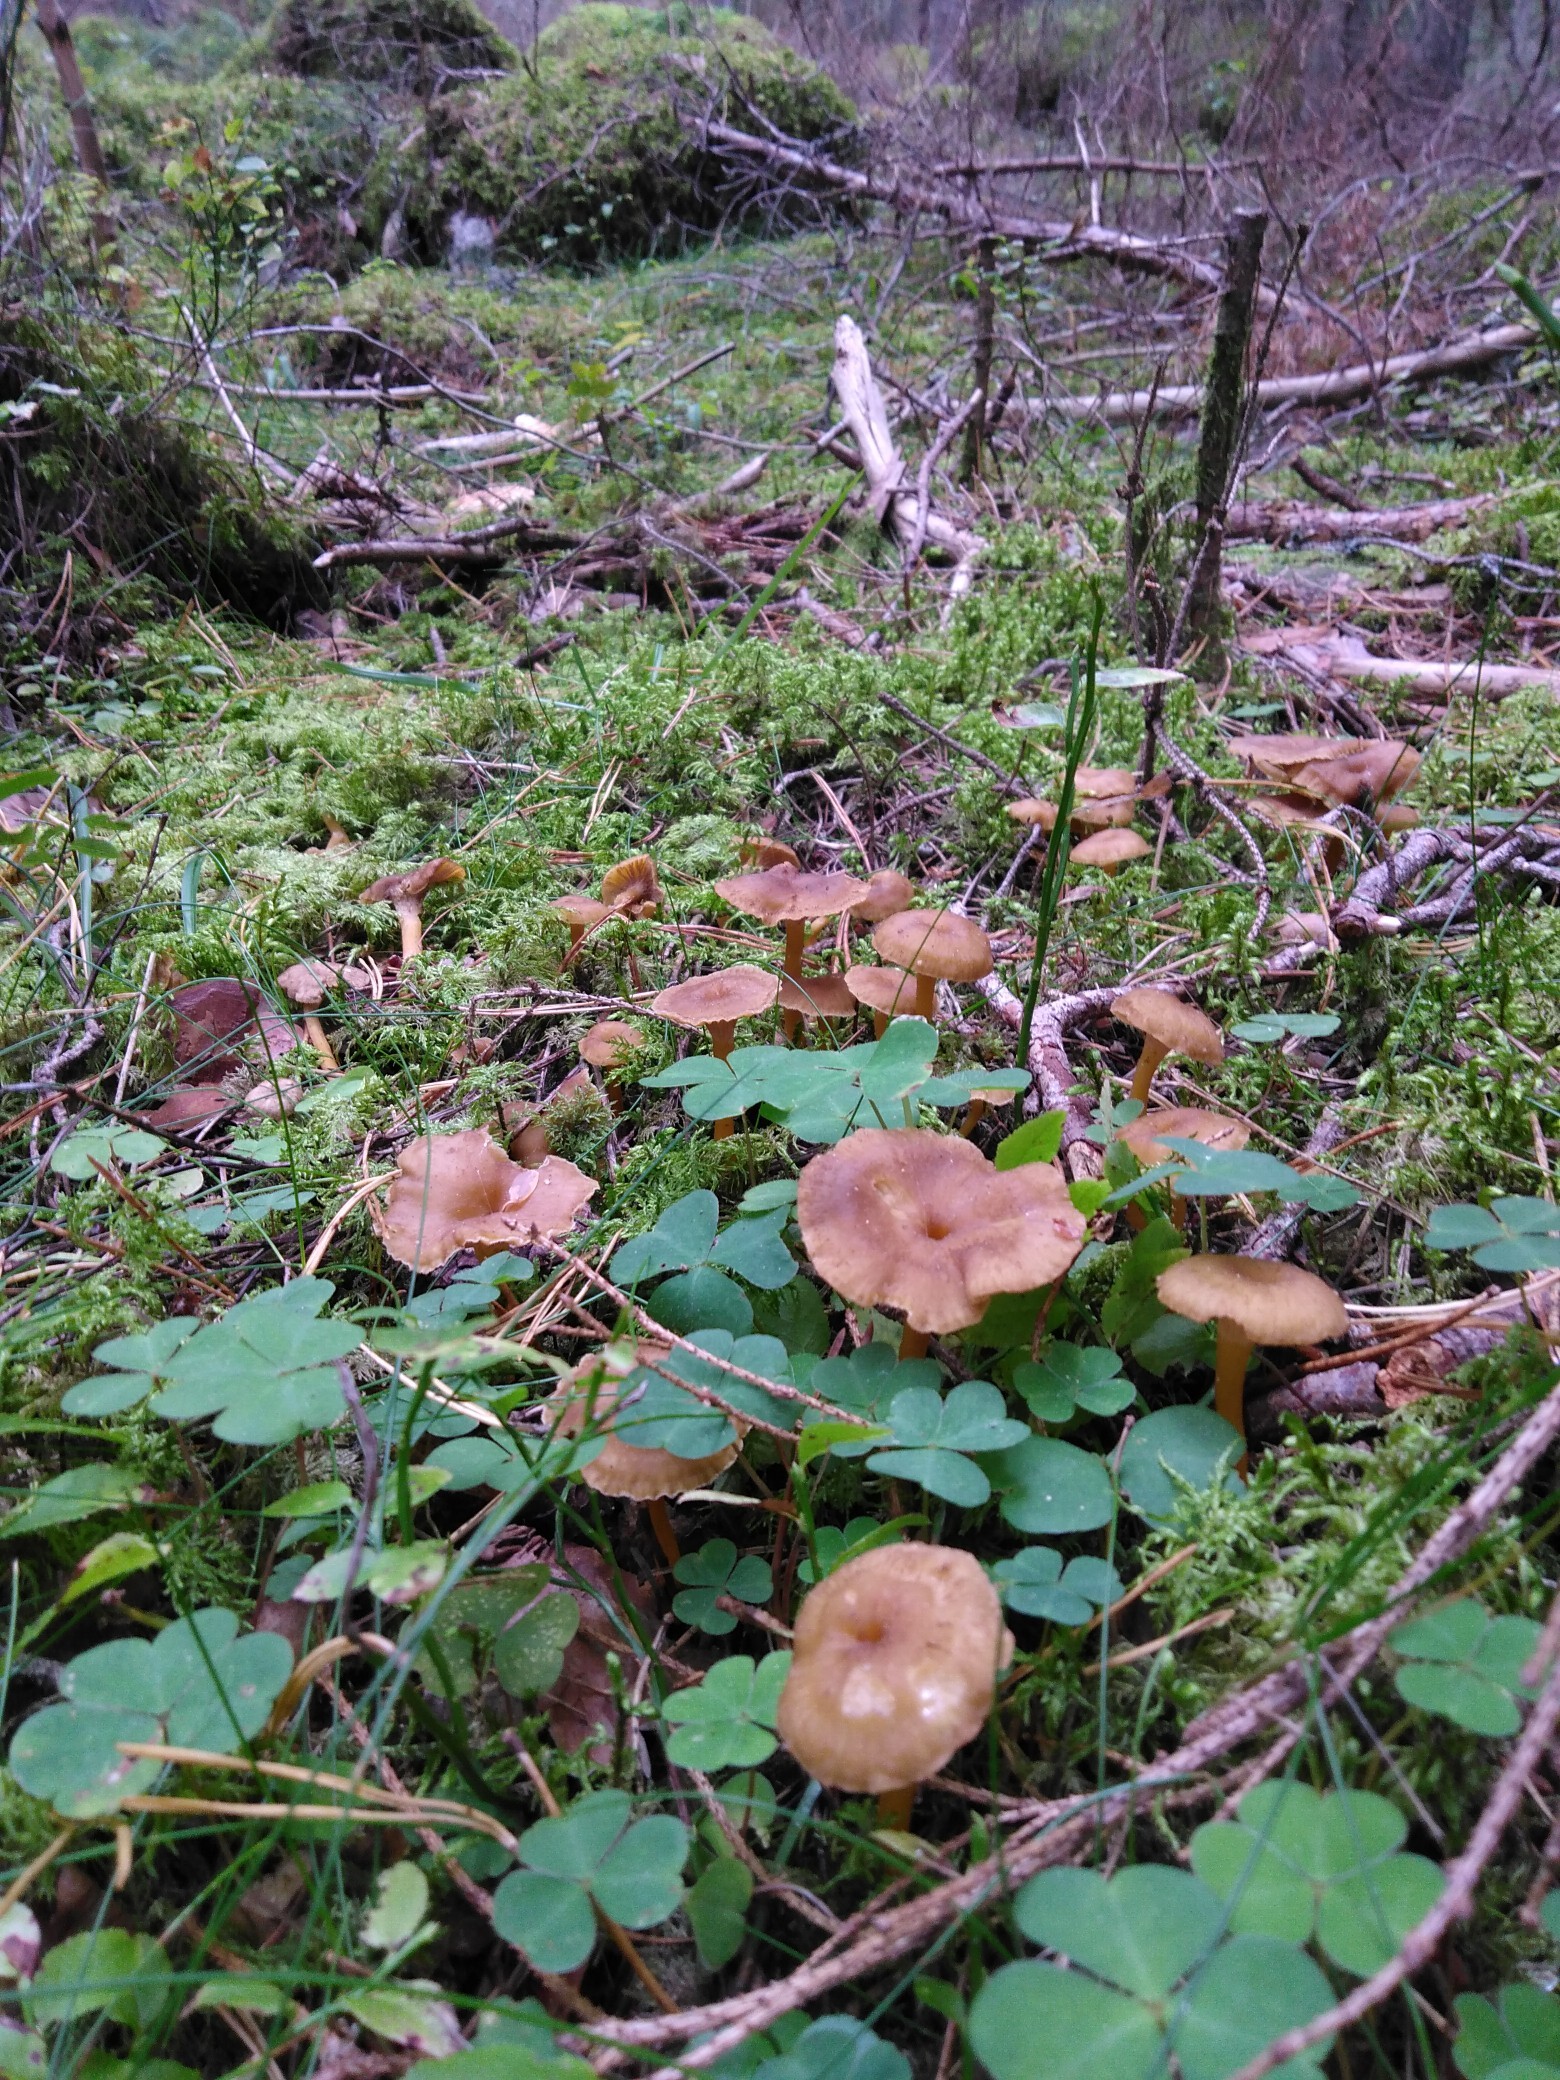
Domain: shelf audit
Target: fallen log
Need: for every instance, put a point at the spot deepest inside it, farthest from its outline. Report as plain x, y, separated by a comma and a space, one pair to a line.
1281, 520
1326, 653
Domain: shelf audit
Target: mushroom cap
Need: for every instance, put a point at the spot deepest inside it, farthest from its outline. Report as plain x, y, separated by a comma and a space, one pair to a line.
787, 895
608, 1040
1145, 1135
934, 942
817, 996
1094, 783
632, 885
1106, 812
718, 998
894, 1667
888, 892
1110, 848
890, 990
907, 1218
220, 1024
1378, 768
306, 983
191, 1105
1032, 810
763, 853
642, 1473
1398, 816
414, 883
1270, 1303
1178, 1026
1286, 810
460, 1191
583, 911
1283, 751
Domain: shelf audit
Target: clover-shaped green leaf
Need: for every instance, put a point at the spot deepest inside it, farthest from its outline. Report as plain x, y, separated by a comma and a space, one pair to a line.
595, 1852
816, 1095
1269, 1026
78, 1493
1465, 1665
865, 1381
1035, 1583
1049, 1487
1512, 1235
104, 1971
1175, 1451
715, 1571
514, 1621
717, 1910
684, 1240
932, 1433
1072, 1376
835, 1544
1514, 2037
653, 1412
1298, 1863
265, 1370
837, 2047
198, 1684
1202, 1173
1153, 1978
727, 1721
116, 1147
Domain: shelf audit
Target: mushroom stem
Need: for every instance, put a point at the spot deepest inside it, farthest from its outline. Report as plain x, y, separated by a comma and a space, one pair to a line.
665, 1536
879, 1024
974, 1113
319, 1042
795, 945
926, 998
913, 1342
1178, 1210
1154, 1052
895, 1807
1232, 1354
723, 1037
409, 911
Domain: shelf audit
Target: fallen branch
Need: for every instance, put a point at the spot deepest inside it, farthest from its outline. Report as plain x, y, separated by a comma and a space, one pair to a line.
1284, 520
1328, 654
479, 546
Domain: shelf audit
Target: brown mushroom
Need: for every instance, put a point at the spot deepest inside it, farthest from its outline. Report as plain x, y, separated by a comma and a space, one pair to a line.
1147, 1135
1098, 783
339, 840
192, 1105
923, 1223
460, 1191
716, 1002
1031, 811
405, 892
606, 1046
641, 1473
632, 887
934, 945
1110, 849
1110, 812
763, 853
785, 895
894, 1668
982, 1099
305, 985
1252, 1302
1375, 770
581, 914
817, 996
886, 992
277, 1100
887, 893
1169, 1025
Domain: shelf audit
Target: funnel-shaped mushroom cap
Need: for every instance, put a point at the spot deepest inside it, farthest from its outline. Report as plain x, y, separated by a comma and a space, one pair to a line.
763, 853
414, 883
588, 1396
1094, 783
718, 999
1030, 810
817, 996
894, 1667
1398, 816
918, 1221
1146, 1134
579, 912
887, 893
608, 1041
1110, 849
889, 990
1289, 810
1281, 753
1179, 1027
460, 1191
785, 895
306, 983
934, 942
1109, 812
632, 886
1269, 1303
1377, 769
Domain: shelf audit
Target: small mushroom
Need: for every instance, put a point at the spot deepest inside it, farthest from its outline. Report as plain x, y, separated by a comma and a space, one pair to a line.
632, 887
894, 1669
923, 1223
1252, 1302
1030, 811
1110, 812
460, 1191
935, 945
888, 892
817, 996
608, 1043
1169, 1025
277, 1100
1101, 783
1148, 1134
716, 1002
641, 1473
339, 839
886, 992
405, 892
581, 914
763, 853
305, 986
785, 895
982, 1099
1110, 849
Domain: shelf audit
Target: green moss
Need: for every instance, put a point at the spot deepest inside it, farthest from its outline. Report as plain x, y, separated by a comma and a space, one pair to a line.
410, 45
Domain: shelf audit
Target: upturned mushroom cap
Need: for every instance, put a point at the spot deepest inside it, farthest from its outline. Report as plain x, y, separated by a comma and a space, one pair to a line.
887, 893
641, 1473
1091, 783
632, 886
1145, 1135
1289, 810
924, 1223
460, 1191
580, 912
306, 983
1110, 849
894, 1667
1107, 812
934, 942
608, 1041
764, 853
817, 996
1398, 816
414, 883
1031, 810
786, 895
719, 998
1378, 769
890, 990
1282, 752
1269, 1303
1178, 1026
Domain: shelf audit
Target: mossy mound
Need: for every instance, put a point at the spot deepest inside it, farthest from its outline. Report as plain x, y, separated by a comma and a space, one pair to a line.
590, 152
411, 46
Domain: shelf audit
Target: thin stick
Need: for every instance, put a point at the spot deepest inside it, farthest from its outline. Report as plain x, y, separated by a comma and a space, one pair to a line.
135, 1029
